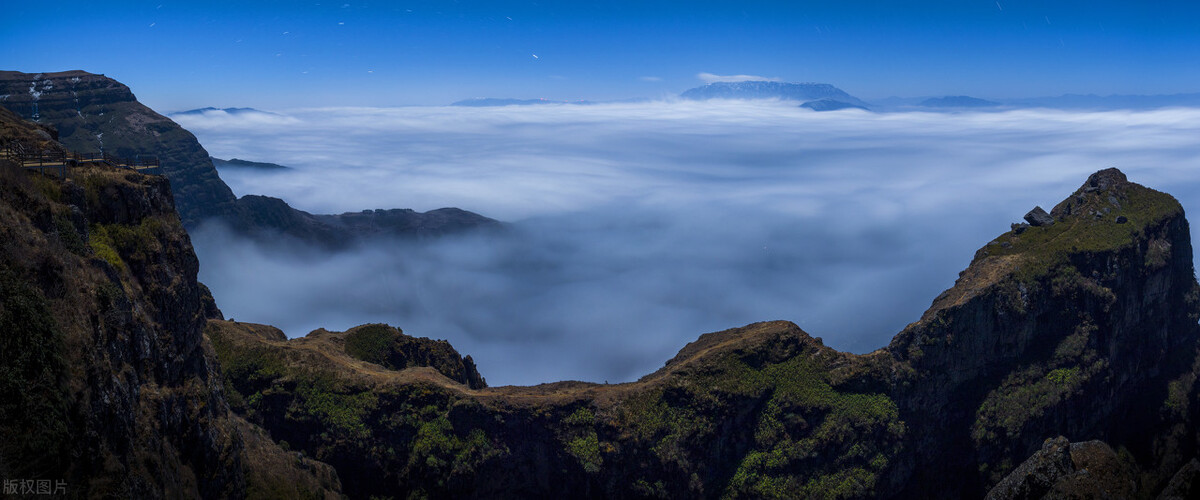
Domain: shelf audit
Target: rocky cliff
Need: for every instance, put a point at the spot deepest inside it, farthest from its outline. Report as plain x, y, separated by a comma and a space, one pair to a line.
106, 381
1084, 326
96, 113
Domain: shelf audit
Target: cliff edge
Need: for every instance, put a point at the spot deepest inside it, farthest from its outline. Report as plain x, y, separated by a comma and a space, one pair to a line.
106, 382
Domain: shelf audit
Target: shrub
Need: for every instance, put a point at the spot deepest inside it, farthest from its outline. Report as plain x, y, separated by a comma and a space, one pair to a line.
371, 343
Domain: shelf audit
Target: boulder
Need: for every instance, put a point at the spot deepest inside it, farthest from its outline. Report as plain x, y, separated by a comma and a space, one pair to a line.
1038, 217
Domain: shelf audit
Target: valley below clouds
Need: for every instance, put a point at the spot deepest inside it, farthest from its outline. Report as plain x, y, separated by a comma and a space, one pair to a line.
634, 228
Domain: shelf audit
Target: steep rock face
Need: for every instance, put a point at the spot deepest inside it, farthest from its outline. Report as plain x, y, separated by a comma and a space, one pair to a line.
93, 113
1077, 328
106, 382
136, 405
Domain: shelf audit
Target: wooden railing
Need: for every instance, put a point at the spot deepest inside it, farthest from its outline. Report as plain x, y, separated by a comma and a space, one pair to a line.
57, 161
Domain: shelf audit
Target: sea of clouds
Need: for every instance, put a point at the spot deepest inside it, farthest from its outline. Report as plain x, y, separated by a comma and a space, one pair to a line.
634, 228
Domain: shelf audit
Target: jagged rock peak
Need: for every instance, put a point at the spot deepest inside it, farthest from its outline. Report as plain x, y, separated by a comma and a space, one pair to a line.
1106, 178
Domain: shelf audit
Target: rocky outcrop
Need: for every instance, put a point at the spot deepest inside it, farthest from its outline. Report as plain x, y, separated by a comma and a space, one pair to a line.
1078, 329
96, 113
391, 348
1038, 217
1185, 484
106, 381
1062, 470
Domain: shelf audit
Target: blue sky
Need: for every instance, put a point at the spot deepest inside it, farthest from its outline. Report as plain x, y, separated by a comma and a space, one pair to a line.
178, 55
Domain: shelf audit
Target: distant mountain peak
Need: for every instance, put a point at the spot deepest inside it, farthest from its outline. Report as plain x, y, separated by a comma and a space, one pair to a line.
502, 101
238, 163
231, 111
957, 101
827, 104
765, 89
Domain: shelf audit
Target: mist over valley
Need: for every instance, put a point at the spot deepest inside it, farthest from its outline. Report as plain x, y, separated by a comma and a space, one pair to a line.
632, 227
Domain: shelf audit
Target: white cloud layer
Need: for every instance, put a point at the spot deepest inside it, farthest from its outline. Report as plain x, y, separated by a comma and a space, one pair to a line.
637, 227
713, 78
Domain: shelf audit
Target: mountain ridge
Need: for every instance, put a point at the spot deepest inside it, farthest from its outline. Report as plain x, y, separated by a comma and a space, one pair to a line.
94, 112
771, 90
232, 111
1042, 335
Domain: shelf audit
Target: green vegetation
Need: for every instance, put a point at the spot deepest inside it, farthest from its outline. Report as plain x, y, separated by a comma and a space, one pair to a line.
807, 439
441, 450
120, 244
93, 185
247, 370
103, 245
1026, 394
33, 405
581, 417
1063, 377
67, 234
321, 397
582, 442
135, 242
1047, 247
1178, 394
586, 449
371, 343
49, 187
399, 431
253, 375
